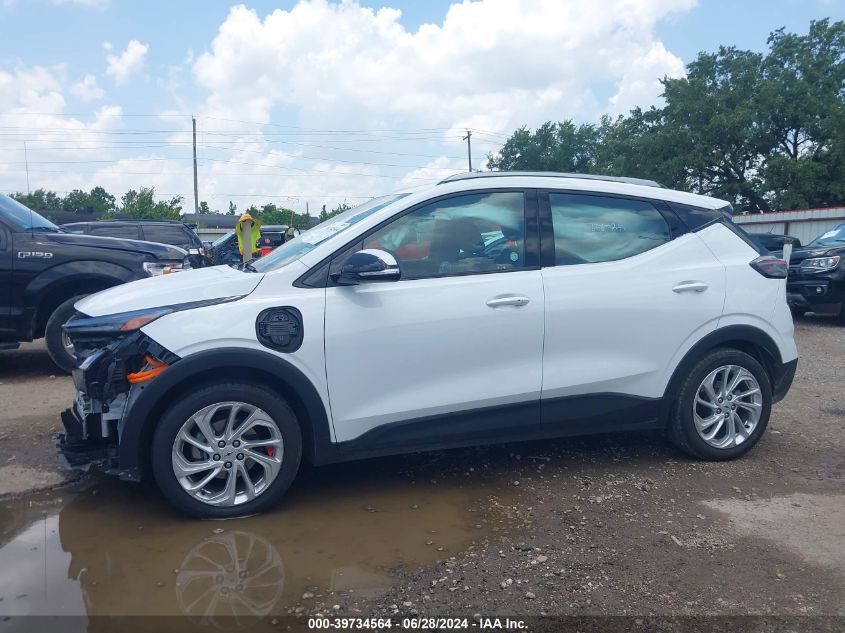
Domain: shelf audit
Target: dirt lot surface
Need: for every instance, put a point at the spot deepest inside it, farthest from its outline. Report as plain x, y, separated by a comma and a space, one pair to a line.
613, 525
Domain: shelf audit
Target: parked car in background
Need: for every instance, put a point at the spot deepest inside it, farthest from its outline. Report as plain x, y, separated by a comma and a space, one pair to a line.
44, 270
224, 250
161, 231
773, 242
489, 307
817, 276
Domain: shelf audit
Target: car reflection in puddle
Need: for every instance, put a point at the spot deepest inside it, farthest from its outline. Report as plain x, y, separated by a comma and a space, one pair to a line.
116, 549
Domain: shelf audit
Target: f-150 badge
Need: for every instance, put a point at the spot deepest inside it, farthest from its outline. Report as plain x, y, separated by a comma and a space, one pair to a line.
35, 254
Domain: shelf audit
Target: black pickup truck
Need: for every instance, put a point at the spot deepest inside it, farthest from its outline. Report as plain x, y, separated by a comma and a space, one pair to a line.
816, 281
45, 270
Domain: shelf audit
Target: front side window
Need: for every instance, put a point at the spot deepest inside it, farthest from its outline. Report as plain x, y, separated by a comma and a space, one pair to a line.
590, 229
466, 234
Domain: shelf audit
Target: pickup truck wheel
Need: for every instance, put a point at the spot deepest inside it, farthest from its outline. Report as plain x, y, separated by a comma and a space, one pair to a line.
723, 406
227, 450
58, 345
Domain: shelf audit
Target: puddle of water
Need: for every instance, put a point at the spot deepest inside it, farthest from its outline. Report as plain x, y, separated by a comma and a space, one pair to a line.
116, 549
811, 525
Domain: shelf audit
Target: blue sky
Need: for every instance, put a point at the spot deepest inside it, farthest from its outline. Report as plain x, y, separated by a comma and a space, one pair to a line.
406, 92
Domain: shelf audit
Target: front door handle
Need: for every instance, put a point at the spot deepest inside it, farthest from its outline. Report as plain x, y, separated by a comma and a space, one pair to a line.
513, 300
691, 286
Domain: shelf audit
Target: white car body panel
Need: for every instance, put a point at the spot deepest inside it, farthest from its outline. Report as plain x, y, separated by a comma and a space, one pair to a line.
233, 324
593, 346
751, 299
198, 284
397, 351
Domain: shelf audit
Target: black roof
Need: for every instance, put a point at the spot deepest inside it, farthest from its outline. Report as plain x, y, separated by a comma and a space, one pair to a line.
549, 174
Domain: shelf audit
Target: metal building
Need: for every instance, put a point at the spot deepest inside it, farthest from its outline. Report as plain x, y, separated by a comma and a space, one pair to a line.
805, 224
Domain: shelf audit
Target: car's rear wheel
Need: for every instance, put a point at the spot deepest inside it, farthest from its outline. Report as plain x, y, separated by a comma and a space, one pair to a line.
723, 406
58, 344
229, 449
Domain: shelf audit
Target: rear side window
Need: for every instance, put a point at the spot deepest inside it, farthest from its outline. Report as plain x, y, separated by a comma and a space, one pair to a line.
173, 235
590, 229
123, 231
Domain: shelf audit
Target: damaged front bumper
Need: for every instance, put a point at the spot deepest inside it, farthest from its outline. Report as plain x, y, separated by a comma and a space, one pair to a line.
106, 384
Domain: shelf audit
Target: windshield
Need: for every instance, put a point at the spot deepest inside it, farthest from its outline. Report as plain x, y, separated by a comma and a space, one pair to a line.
23, 218
296, 248
834, 236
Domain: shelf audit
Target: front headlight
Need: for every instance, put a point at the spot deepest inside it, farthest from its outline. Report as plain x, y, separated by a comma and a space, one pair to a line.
115, 324
154, 269
819, 264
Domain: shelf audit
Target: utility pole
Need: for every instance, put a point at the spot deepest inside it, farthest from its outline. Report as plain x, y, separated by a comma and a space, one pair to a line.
26, 162
469, 148
196, 194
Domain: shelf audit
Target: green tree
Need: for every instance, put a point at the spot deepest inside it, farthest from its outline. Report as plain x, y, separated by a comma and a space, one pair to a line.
552, 147
325, 214
98, 202
41, 200
141, 204
203, 208
232, 208
763, 131
802, 116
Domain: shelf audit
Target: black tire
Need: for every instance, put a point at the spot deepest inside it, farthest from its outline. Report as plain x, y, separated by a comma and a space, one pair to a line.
682, 431
53, 335
797, 313
172, 420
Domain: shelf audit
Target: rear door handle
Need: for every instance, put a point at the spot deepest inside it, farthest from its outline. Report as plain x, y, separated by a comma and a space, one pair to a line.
691, 286
498, 302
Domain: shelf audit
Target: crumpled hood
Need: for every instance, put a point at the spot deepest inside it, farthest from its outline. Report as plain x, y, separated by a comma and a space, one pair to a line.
198, 284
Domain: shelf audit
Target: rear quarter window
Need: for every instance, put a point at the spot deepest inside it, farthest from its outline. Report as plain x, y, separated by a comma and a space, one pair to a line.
122, 231
174, 235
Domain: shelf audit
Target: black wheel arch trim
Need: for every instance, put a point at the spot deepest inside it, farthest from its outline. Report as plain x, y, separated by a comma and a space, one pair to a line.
140, 419
746, 336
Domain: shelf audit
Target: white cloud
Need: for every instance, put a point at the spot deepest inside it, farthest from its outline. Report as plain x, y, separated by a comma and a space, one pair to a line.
490, 65
498, 61
87, 89
130, 61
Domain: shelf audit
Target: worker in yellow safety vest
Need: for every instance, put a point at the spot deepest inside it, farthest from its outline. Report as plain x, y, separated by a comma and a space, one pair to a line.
252, 226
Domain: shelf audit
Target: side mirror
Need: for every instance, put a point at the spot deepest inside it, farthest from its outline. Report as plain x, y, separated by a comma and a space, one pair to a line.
206, 245
370, 264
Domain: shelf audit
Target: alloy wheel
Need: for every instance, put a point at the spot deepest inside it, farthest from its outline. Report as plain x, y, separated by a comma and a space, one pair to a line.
727, 406
227, 453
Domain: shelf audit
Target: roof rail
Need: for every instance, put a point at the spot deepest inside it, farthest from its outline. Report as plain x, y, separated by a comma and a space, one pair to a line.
549, 174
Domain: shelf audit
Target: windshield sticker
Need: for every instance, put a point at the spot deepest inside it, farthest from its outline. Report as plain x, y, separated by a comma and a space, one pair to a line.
315, 236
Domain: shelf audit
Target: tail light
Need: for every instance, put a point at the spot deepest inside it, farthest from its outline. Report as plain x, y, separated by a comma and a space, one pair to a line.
770, 267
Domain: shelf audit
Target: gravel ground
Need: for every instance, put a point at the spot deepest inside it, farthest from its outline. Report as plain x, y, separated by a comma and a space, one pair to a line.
612, 525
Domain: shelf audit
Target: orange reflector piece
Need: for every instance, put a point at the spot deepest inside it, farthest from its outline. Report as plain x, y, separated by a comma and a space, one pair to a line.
140, 321
147, 374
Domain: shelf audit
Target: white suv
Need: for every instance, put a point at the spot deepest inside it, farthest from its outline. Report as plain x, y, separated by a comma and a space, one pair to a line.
486, 308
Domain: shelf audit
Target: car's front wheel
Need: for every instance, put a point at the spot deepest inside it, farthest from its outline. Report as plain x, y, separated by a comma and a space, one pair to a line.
229, 449
723, 406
